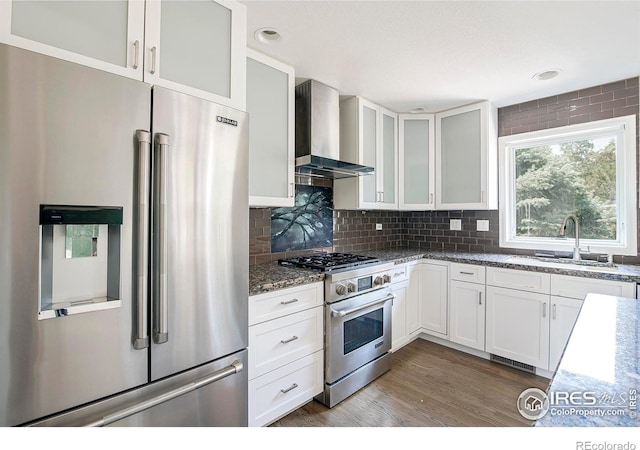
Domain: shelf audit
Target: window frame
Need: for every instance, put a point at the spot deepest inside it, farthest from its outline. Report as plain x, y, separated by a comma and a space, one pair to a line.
626, 190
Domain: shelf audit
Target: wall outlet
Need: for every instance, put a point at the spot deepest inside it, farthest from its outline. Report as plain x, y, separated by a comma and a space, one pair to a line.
378, 226
455, 224
482, 225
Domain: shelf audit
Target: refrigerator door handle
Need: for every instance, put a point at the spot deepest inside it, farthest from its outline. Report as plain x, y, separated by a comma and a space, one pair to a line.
161, 314
141, 340
232, 369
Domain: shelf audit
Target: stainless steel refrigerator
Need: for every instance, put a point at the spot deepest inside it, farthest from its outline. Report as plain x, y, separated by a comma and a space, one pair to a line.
123, 251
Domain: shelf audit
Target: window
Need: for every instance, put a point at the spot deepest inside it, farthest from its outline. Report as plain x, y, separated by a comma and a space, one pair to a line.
588, 170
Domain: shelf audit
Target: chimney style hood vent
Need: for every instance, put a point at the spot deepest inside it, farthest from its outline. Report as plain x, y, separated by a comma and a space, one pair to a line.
318, 134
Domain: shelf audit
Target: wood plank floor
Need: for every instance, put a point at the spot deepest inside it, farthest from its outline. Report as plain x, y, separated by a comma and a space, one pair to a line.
429, 385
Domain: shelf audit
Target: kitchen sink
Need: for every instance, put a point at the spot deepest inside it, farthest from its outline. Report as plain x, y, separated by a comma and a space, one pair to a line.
592, 266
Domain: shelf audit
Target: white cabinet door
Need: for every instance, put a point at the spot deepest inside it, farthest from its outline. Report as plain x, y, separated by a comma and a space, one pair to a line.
517, 325
467, 314
564, 313
368, 136
466, 158
197, 47
433, 301
416, 161
107, 35
388, 159
271, 108
413, 298
399, 331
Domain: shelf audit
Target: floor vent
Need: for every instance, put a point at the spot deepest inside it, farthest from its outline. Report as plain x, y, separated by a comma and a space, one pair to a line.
511, 363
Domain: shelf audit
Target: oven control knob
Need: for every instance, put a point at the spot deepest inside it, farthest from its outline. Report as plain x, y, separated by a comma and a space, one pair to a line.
386, 278
351, 287
341, 289
378, 281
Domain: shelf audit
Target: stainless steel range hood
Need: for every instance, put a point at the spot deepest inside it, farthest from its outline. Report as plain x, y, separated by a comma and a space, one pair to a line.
318, 134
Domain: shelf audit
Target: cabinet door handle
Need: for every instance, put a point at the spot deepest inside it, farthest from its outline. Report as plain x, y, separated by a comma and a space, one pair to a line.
544, 309
431, 198
291, 339
136, 54
153, 60
290, 388
480, 298
291, 190
288, 302
553, 313
467, 273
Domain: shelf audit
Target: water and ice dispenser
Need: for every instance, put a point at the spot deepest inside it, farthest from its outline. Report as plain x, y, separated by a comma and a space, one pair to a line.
79, 259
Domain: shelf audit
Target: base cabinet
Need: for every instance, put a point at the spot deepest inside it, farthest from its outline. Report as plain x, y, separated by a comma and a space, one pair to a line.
286, 357
564, 314
518, 325
434, 298
467, 304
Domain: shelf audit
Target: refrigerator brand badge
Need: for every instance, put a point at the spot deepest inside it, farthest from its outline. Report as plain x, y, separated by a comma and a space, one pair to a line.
227, 121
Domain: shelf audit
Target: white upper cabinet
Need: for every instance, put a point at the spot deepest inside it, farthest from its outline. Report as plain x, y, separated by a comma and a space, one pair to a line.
368, 136
466, 158
271, 108
416, 161
106, 35
195, 47
199, 48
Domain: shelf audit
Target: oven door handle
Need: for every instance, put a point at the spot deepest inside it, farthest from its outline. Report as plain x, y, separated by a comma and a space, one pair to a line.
346, 312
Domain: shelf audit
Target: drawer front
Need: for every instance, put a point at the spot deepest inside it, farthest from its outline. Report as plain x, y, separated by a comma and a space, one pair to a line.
277, 393
579, 287
519, 279
273, 305
278, 342
398, 273
467, 272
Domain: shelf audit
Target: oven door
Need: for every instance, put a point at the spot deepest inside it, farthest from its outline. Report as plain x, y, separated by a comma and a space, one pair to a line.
358, 331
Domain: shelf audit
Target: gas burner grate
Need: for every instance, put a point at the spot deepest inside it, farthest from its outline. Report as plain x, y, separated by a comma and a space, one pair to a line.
328, 262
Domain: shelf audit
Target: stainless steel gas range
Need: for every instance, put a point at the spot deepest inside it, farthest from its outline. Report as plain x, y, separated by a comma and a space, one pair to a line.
358, 301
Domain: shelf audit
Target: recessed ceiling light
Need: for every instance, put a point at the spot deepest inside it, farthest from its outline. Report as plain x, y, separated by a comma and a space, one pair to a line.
547, 74
266, 35
418, 110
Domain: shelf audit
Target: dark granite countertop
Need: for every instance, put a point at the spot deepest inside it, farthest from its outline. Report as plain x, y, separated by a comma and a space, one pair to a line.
271, 276
602, 364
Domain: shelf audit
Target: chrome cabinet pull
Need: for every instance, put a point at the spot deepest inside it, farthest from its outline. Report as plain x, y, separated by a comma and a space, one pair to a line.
153, 60
397, 274
290, 388
291, 339
161, 315
288, 302
431, 198
141, 339
136, 54
544, 309
554, 311
467, 273
235, 367
480, 298
292, 190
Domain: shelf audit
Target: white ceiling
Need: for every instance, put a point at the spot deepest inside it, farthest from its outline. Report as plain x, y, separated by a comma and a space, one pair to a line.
443, 54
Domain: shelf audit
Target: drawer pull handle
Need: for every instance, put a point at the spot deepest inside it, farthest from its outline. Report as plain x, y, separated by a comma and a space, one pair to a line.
554, 311
544, 309
288, 302
290, 388
480, 298
397, 274
291, 339
467, 273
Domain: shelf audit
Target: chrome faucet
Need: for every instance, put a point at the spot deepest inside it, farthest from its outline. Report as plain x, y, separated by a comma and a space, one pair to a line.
563, 230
